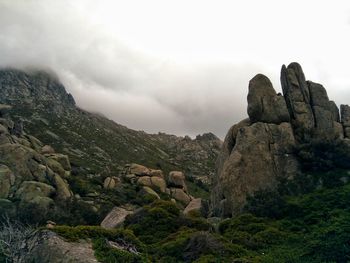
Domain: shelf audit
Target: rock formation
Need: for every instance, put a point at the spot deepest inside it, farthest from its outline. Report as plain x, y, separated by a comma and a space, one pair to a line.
92, 141
152, 181
29, 177
258, 151
115, 217
313, 115
345, 119
47, 246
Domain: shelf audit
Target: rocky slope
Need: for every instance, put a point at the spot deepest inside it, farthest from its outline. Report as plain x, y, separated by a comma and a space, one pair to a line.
33, 177
261, 151
98, 147
92, 141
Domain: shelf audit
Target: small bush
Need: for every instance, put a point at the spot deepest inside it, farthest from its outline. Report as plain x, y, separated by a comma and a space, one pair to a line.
324, 155
106, 254
266, 203
155, 221
96, 232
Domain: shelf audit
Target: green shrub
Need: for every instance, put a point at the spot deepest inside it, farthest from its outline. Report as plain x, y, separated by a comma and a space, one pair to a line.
324, 155
155, 221
251, 232
106, 254
158, 220
95, 232
76, 212
172, 246
269, 236
188, 245
31, 213
266, 203
80, 186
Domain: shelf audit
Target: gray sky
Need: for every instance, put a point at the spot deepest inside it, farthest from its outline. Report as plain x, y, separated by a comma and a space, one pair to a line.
179, 66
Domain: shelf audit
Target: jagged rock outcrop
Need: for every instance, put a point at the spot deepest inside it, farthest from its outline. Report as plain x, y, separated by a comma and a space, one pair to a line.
38, 88
313, 115
259, 151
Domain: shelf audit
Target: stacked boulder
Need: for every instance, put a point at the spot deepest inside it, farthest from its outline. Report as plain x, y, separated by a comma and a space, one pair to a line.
29, 175
178, 188
153, 182
259, 151
111, 182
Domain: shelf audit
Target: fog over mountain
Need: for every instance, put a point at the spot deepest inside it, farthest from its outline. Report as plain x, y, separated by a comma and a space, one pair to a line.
181, 67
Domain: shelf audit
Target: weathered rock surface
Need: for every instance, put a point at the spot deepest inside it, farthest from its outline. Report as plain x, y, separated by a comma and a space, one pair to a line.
48, 247
345, 119
7, 179
264, 105
29, 177
62, 187
28, 190
177, 179
115, 217
313, 115
47, 149
153, 183
111, 182
297, 96
262, 153
158, 183
149, 191
259, 151
326, 114
138, 170
195, 206
180, 195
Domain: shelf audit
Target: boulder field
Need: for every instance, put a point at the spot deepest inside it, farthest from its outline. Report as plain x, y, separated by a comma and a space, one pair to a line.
32, 175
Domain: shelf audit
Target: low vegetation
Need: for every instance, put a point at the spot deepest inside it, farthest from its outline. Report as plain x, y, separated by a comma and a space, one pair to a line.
309, 227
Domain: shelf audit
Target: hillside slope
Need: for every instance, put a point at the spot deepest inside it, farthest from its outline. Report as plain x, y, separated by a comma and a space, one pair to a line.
94, 143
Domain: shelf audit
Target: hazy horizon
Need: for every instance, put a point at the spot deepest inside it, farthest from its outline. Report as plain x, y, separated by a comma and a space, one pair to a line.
180, 67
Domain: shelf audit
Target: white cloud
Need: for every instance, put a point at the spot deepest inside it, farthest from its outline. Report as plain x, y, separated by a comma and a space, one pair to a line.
176, 66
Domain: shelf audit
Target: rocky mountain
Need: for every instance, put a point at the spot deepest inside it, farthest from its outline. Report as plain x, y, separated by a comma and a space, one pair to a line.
263, 150
281, 191
98, 146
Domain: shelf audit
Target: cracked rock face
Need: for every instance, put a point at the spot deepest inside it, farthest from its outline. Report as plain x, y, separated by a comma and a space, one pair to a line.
262, 153
313, 115
259, 151
345, 119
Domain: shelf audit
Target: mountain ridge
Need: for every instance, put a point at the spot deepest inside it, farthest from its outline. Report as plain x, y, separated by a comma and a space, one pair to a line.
50, 113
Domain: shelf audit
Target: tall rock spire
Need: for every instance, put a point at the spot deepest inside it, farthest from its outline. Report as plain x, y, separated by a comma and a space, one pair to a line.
259, 151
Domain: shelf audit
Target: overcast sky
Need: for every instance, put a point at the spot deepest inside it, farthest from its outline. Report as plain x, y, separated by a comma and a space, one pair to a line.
179, 66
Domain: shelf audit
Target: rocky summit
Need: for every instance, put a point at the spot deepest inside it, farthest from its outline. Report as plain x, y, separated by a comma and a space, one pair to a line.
261, 151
